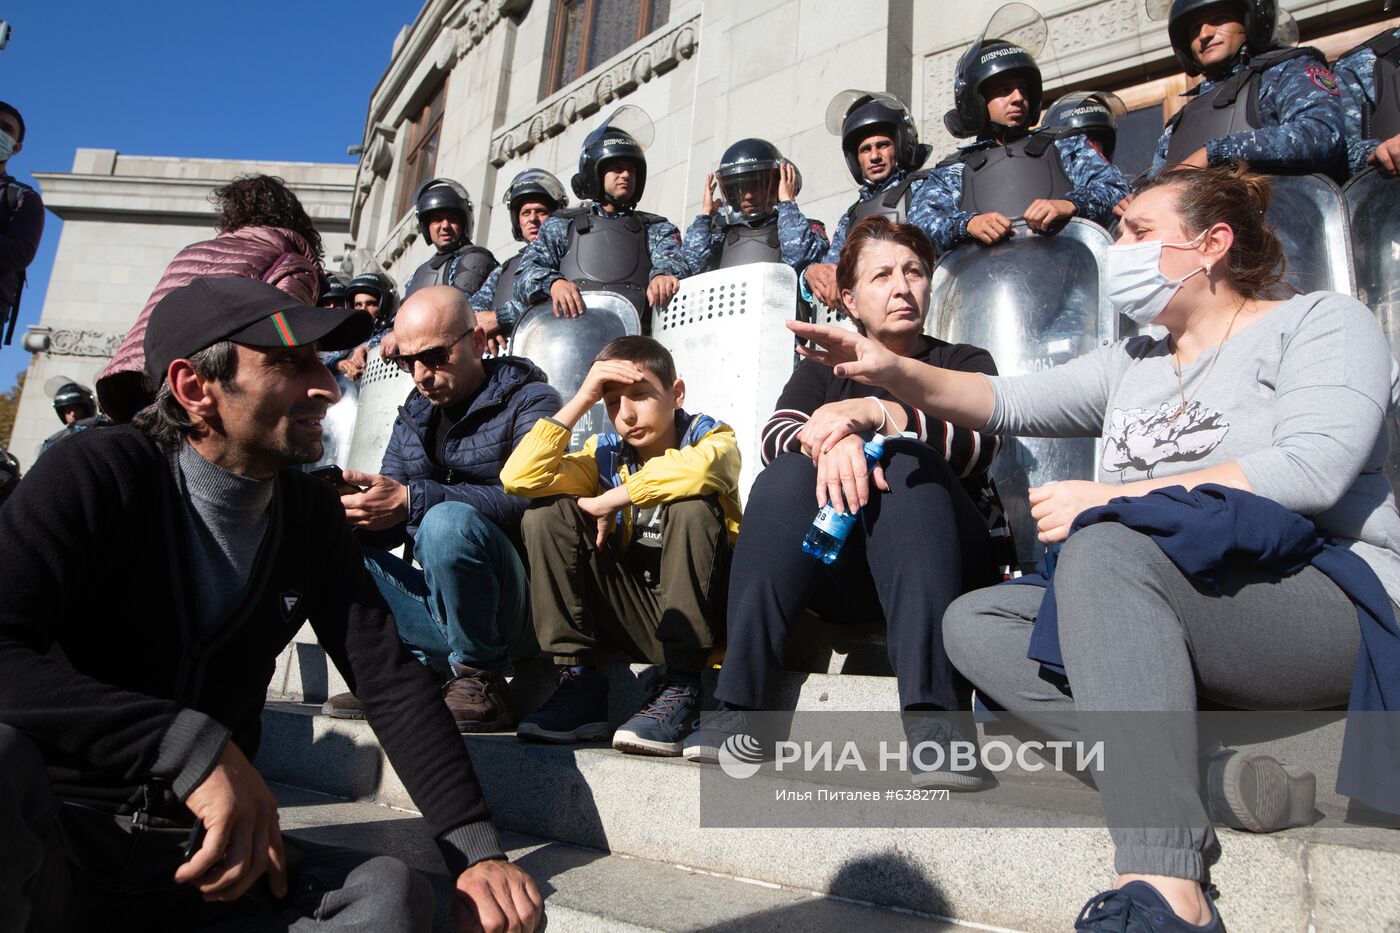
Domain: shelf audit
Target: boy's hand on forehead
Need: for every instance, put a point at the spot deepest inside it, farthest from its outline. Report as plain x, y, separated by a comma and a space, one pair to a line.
605, 374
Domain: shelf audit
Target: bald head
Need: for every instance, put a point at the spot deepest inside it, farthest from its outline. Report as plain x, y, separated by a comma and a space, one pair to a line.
438, 318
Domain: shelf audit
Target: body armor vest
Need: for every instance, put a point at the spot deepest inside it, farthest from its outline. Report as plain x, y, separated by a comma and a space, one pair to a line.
744, 244
442, 268
893, 203
1232, 106
505, 282
1006, 179
609, 253
1384, 121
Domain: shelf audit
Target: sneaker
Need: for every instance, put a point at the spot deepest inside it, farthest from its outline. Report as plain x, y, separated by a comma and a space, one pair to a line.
343, 706
1138, 907
577, 711
1257, 793
479, 700
662, 724
711, 732
932, 769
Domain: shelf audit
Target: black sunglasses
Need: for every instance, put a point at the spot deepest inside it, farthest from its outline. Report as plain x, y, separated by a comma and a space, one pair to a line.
431, 358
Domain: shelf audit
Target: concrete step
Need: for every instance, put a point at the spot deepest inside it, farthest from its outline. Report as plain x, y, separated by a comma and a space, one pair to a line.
1024, 859
592, 891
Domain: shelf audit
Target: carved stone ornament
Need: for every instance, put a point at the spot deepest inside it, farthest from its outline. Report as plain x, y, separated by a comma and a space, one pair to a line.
398, 241
657, 56
84, 343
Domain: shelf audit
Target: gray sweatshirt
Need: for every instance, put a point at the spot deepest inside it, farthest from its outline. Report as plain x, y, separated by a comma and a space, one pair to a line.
1298, 400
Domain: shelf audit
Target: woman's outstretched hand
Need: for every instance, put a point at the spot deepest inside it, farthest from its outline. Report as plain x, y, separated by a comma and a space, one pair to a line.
849, 355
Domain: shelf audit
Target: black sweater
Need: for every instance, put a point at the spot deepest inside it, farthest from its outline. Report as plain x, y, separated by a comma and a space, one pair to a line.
102, 666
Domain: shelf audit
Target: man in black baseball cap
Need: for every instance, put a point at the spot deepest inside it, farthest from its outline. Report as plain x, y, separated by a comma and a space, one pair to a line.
154, 571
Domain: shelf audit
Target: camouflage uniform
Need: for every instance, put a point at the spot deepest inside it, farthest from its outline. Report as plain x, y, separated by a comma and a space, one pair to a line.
868, 191
508, 314
1356, 72
1300, 104
539, 266
1098, 187
802, 241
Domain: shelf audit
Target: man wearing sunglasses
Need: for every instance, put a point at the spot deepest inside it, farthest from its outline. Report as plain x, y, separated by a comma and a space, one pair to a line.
466, 613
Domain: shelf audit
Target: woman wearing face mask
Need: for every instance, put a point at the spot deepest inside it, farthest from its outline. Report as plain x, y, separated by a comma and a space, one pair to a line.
1282, 399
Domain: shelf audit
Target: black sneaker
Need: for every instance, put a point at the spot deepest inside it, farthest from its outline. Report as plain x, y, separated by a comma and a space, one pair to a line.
1138, 907
577, 711
936, 764
662, 724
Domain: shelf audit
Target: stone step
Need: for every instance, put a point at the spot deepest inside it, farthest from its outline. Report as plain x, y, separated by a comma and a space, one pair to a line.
1026, 861
592, 891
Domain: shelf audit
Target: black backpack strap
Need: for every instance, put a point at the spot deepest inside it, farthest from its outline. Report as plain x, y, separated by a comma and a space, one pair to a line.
896, 194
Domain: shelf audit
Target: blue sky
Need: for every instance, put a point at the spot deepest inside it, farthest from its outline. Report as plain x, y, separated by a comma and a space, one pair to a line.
200, 78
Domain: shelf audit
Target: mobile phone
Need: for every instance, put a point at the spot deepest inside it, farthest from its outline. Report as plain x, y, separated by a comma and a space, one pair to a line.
195, 840
332, 474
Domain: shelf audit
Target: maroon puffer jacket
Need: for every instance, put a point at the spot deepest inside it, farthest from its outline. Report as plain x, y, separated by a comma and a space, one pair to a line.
275, 255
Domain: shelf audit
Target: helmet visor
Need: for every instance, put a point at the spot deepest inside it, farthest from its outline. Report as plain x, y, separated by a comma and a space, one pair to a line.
634, 122
1020, 25
753, 194
842, 103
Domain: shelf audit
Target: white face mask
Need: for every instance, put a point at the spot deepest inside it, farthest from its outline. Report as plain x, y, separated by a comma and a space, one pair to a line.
1137, 289
7, 146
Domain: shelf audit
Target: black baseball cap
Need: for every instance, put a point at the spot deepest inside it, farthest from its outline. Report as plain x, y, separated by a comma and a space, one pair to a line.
212, 308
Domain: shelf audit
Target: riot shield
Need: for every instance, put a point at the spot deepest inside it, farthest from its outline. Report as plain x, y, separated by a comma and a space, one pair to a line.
564, 347
1033, 302
726, 331
382, 390
1373, 199
338, 427
1309, 215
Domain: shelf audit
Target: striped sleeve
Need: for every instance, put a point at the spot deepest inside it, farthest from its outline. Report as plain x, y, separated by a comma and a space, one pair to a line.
780, 433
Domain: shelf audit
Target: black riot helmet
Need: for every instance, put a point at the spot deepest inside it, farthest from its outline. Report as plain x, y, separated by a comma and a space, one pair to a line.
979, 66
533, 184
332, 291
442, 194
372, 283
854, 114
751, 166
73, 395
1095, 112
623, 135
1261, 22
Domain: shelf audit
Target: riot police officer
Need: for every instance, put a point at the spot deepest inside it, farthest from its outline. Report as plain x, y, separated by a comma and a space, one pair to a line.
760, 220
1045, 176
332, 291
606, 243
1370, 76
76, 407
533, 196
1094, 113
883, 154
444, 212
1275, 107
374, 294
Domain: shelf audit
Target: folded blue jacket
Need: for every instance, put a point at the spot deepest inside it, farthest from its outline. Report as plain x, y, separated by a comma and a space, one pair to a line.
1212, 528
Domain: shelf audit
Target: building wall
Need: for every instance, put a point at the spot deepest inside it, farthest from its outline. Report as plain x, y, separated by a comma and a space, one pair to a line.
124, 218
716, 71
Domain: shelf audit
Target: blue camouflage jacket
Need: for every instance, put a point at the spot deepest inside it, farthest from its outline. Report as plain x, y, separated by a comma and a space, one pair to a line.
868, 191
539, 265
1300, 104
802, 242
509, 312
1356, 72
1098, 187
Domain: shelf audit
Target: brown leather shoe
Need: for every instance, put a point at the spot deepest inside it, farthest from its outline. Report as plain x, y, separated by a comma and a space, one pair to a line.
343, 706
479, 700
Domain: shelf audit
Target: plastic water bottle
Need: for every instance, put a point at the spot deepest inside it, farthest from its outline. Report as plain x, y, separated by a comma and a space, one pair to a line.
830, 527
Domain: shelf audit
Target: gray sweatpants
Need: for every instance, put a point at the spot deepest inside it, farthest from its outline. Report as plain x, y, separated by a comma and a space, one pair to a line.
1136, 635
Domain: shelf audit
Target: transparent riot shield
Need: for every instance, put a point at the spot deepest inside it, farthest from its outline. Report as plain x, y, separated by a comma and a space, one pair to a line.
338, 427
1309, 215
1033, 302
564, 347
726, 331
382, 390
1373, 199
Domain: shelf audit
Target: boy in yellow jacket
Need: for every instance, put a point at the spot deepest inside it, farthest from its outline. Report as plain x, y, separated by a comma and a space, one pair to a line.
631, 542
